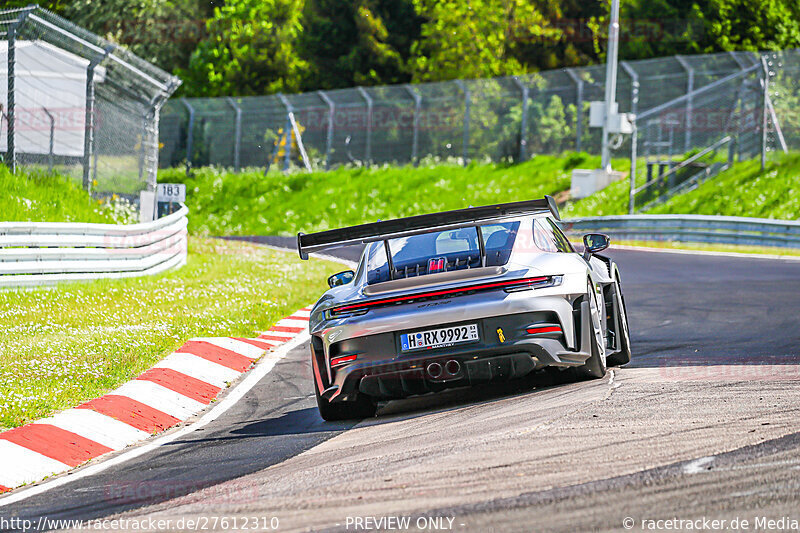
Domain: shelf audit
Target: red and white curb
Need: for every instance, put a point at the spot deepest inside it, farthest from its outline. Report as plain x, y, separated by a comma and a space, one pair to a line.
178, 387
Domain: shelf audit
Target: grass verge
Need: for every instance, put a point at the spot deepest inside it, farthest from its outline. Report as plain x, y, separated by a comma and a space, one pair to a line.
41, 196
249, 203
744, 190
702, 247
63, 345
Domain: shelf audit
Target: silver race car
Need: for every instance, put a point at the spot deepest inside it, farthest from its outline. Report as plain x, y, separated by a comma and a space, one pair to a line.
461, 297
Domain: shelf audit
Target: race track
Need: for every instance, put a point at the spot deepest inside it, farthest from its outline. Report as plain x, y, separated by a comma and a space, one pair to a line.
703, 422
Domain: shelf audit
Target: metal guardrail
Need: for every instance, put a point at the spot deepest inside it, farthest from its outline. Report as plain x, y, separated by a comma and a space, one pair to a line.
38, 253
692, 228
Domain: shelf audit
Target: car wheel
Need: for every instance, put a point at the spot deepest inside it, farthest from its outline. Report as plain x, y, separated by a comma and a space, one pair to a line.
595, 366
622, 357
362, 407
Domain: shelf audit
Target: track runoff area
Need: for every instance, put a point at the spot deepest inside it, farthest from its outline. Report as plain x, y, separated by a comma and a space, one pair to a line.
699, 432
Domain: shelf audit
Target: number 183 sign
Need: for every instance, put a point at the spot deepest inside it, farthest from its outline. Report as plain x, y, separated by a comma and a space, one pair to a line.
171, 192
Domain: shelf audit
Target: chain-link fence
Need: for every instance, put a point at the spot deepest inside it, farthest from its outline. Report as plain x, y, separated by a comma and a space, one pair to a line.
73, 102
510, 118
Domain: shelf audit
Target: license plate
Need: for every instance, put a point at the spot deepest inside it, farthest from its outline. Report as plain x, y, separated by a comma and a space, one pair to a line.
436, 338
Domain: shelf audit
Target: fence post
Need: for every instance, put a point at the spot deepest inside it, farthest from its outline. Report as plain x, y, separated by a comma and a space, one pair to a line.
635, 134
52, 138
11, 148
764, 113
689, 102
417, 108
189, 134
632, 177
523, 127
88, 132
578, 108
368, 100
329, 135
237, 133
467, 105
287, 133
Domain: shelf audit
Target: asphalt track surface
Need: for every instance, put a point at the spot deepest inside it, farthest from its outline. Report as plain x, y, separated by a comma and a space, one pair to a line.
704, 423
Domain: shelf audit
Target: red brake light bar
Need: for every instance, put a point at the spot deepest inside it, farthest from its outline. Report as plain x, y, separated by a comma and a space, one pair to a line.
345, 359
544, 329
515, 284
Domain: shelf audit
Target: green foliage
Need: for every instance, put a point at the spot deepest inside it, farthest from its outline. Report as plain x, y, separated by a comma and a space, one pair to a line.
248, 47
164, 32
748, 24
44, 197
551, 129
249, 203
366, 42
476, 39
668, 27
251, 49
743, 190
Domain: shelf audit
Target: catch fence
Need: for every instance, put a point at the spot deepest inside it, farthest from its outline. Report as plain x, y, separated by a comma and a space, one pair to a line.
683, 104
76, 103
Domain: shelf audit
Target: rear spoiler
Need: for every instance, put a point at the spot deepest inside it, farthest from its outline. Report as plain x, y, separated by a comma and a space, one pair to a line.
404, 227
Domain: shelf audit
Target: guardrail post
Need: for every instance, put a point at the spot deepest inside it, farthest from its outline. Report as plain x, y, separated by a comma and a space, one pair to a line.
523, 127
52, 138
467, 105
368, 150
329, 134
237, 135
578, 108
689, 113
189, 134
417, 109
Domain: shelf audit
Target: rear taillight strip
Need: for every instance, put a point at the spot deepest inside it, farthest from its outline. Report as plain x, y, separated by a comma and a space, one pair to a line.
433, 294
543, 329
341, 360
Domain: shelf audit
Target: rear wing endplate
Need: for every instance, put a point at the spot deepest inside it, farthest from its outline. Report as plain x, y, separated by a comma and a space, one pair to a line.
404, 227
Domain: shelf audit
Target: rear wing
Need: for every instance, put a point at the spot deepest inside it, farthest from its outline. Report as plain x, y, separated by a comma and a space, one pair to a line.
404, 227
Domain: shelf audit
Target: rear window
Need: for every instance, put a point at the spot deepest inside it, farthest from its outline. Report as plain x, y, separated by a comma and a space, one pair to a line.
451, 250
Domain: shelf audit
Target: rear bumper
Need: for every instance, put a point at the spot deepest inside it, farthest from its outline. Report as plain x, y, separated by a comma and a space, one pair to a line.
383, 371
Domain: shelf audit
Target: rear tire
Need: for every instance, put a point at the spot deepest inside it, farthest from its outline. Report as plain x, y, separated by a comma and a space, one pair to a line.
362, 407
623, 356
595, 366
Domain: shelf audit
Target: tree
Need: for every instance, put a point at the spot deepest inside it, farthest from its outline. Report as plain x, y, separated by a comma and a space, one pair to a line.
655, 28
748, 24
251, 49
162, 32
362, 42
475, 38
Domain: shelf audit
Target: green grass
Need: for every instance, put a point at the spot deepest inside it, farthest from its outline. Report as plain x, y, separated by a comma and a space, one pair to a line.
63, 345
41, 196
743, 190
705, 247
249, 203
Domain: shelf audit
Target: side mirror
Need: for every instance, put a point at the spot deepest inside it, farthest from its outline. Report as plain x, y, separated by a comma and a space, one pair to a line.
593, 243
342, 278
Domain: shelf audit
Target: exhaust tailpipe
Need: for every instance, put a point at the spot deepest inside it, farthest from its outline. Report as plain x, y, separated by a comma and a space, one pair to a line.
452, 367
434, 370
